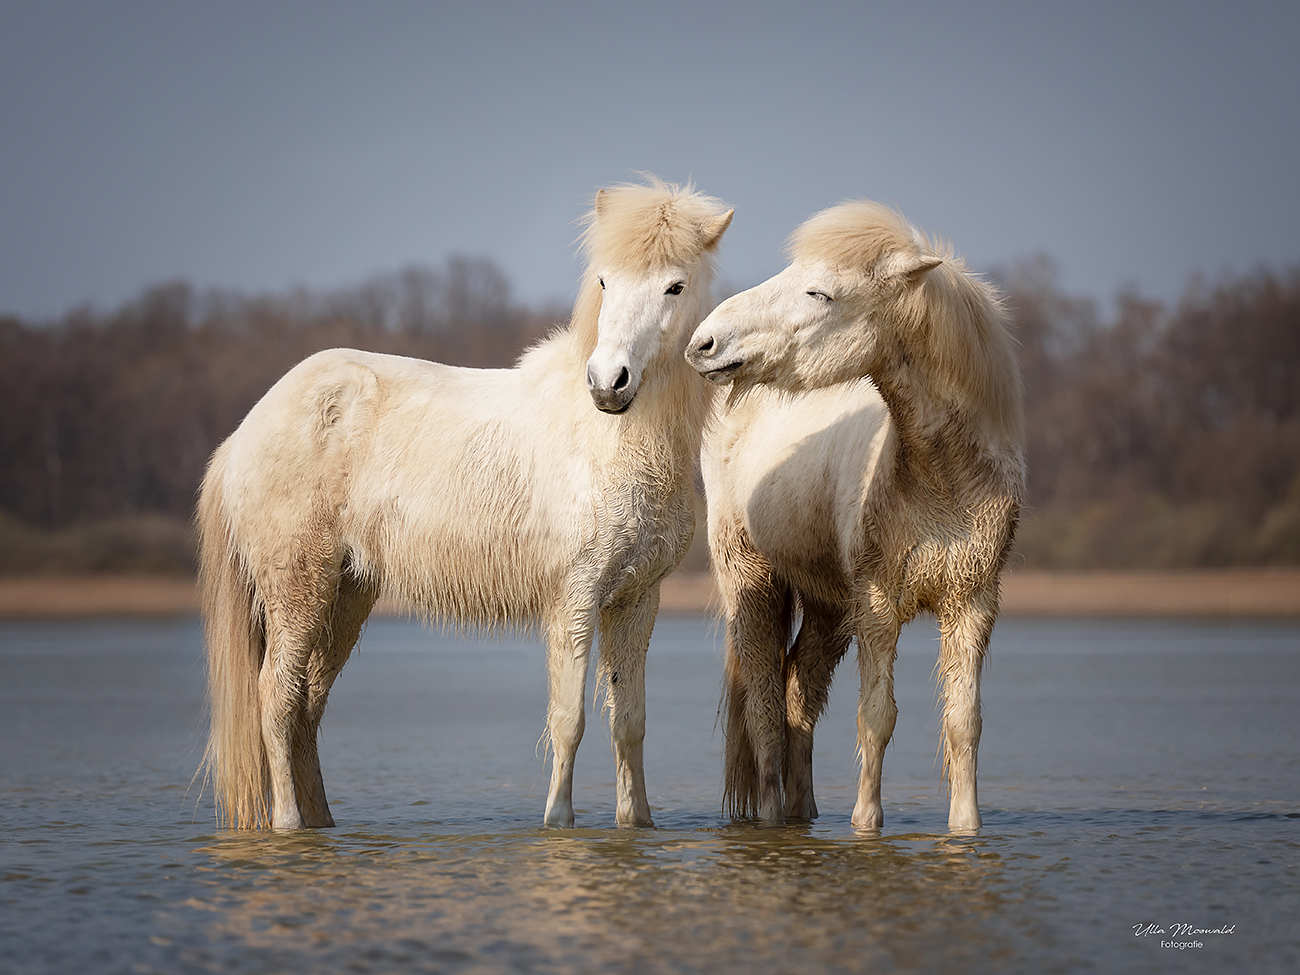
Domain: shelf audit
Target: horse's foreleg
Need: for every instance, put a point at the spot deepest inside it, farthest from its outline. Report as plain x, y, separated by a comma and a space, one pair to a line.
823, 638
567, 658
344, 621
624, 640
964, 640
878, 629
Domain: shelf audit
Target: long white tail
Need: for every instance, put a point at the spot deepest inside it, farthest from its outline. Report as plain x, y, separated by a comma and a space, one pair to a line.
236, 642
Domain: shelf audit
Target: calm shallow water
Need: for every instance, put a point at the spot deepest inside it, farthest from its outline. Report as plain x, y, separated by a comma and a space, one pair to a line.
1131, 774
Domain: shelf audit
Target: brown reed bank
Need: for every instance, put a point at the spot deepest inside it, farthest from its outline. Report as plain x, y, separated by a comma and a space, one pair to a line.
1272, 593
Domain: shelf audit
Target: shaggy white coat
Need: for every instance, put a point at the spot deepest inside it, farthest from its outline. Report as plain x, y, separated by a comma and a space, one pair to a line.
553, 495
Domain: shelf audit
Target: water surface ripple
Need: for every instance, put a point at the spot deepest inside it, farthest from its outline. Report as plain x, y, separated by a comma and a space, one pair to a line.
1134, 777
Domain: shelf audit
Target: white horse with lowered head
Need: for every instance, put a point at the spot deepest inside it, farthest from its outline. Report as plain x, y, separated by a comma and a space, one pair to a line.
857, 501
483, 497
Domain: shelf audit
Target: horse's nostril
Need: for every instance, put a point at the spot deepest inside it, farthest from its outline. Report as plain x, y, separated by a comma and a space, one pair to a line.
707, 346
623, 379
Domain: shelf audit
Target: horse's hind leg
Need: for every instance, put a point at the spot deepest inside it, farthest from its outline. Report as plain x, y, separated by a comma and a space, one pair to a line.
964, 638
624, 639
568, 654
878, 628
292, 629
343, 622
823, 638
758, 626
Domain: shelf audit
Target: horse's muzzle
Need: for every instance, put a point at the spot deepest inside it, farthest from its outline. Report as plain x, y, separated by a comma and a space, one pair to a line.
708, 356
615, 397
611, 404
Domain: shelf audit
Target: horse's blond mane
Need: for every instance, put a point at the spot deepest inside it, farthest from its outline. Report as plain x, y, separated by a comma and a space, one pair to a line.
959, 317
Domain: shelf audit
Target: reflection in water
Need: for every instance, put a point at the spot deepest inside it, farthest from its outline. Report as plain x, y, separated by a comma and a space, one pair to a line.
730, 898
786, 895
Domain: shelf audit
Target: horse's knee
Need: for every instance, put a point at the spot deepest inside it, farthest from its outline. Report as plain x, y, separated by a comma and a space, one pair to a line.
566, 726
877, 710
878, 714
628, 732
962, 721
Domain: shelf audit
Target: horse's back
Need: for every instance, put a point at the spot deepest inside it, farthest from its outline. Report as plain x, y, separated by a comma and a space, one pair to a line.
446, 484
794, 471
334, 410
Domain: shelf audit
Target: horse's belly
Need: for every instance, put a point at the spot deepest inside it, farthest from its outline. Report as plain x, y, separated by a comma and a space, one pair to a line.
465, 513
467, 565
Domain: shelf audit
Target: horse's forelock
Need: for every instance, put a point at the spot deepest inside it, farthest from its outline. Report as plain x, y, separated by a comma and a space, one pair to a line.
853, 236
642, 226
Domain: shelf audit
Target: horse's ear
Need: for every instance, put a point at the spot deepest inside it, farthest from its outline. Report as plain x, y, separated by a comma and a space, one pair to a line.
600, 202
715, 227
907, 266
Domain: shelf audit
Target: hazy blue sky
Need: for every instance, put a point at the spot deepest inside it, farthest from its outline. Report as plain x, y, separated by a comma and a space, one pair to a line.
264, 145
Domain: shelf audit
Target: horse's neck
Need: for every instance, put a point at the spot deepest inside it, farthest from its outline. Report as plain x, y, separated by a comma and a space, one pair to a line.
668, 416
945, 443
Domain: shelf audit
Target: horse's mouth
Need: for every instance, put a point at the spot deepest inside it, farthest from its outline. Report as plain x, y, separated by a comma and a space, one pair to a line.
723, 374
622, 409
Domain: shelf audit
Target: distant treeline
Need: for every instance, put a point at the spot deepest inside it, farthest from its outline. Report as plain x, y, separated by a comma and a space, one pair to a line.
108, 418
1157, 436
1161, 437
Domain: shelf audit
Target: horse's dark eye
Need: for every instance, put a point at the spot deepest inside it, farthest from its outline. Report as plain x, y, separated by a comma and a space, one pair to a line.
819, 295
602, 283
676, 289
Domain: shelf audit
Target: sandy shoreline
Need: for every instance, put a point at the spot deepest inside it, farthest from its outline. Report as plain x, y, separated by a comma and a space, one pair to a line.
1205, 594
